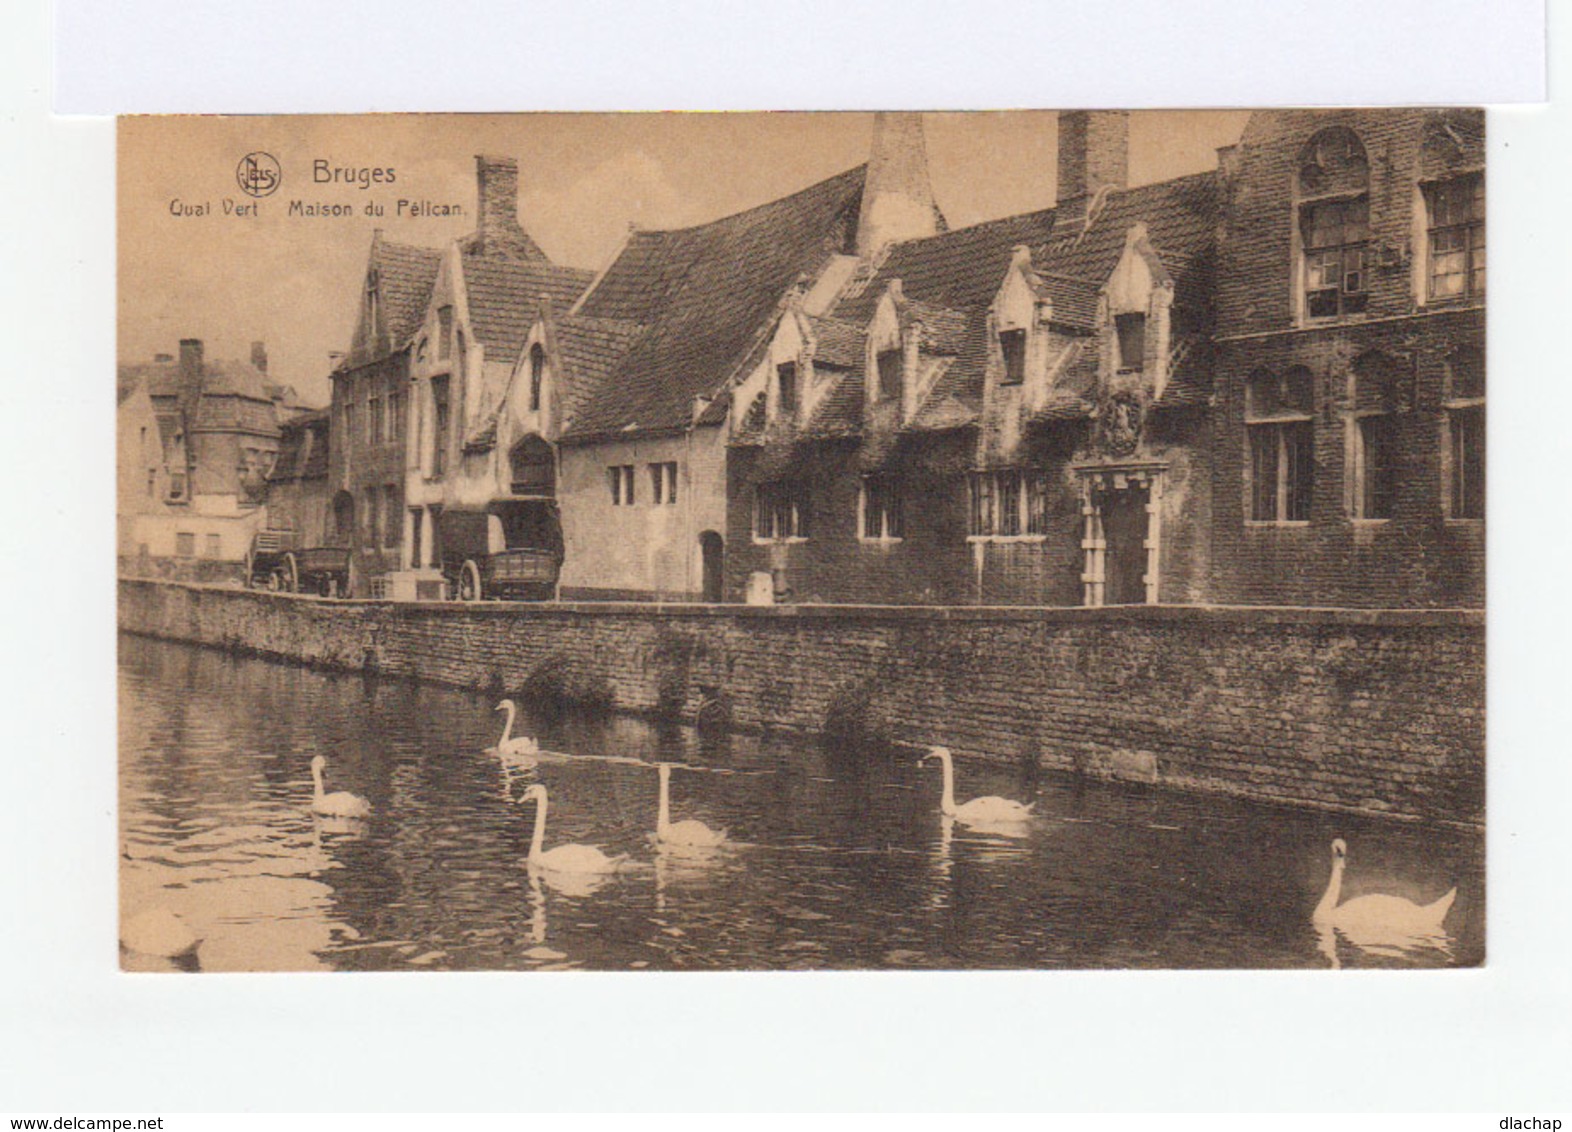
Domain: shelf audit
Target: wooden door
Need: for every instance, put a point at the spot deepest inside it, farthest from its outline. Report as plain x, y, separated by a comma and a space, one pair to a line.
1125, 530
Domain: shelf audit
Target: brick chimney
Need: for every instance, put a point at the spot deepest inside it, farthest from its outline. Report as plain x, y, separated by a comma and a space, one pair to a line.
1094, 155
497, 190
259, 356
897, 198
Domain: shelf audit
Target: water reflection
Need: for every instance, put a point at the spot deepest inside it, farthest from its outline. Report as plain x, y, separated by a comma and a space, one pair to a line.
832, 860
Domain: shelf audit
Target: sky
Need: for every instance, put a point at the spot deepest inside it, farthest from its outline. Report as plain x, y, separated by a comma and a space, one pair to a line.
292, 281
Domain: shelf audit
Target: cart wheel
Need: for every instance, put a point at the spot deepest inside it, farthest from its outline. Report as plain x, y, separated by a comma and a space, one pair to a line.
251, 571
275, 581
469, 582
290, 579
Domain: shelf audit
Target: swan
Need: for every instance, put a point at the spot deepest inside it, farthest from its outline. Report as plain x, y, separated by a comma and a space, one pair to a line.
572, 859
989, 811
339, 804
1379, 922
158, 932
520, 750
686, 834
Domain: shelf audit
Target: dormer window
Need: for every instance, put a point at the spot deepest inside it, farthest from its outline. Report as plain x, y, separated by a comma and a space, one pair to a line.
1012, 345
444, 333
890, 365
537, 373
1131, 332
786, 388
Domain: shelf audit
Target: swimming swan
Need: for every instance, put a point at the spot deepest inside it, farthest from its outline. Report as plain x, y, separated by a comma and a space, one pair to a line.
979, 811
1380, 922
687, 834
519, 750
578, 859
341, 803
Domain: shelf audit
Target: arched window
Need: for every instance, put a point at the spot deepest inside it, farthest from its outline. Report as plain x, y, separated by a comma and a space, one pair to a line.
537, 372
533, 467
1279, 425
1333, 186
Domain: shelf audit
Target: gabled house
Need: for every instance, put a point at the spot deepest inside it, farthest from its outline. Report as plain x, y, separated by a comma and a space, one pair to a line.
644, 458
469, 403
298, 494
1019, 425
370, 416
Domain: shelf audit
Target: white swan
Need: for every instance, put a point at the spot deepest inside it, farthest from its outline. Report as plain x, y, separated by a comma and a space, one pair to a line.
1379, 922
341, 803
989, 811
687, 834
158, 932
570, 859
520, 750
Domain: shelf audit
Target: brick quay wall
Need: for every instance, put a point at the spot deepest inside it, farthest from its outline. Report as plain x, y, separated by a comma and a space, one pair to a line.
1376, 711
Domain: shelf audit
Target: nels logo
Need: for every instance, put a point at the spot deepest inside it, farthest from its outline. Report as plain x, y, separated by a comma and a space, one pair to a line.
258, 174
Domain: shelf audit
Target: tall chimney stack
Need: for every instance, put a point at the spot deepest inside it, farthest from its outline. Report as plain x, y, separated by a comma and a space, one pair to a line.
897, 198
500, 233
259, 356
1094, 155
191, 362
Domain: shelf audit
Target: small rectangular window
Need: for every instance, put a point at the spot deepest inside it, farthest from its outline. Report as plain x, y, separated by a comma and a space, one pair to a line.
185, 544
177, 485
211, 548
1336, 235
444, 333
1466, 452
786, 388
620, 479
883, 519
1282, 471
889, 363
392, 510
440, 423
374, 423
1375, 467
1457, 238
1008, 504
663, 483
780, 511
1012, 344
1131, 330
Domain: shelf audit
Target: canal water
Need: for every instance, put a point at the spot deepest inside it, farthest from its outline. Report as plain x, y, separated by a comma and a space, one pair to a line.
836, 859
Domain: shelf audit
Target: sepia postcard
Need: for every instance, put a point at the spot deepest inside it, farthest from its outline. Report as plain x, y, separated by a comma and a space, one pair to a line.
802, 541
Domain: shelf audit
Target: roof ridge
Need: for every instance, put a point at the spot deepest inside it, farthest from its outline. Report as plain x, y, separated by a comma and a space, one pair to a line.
776, 202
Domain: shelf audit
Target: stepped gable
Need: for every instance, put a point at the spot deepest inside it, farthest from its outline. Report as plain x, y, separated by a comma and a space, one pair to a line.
504, 296
703, 294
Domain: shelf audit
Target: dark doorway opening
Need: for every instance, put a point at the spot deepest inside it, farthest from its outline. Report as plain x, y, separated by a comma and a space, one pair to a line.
1125, 529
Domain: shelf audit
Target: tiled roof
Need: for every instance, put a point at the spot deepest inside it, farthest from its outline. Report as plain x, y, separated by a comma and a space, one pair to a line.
840, 413
1074, 300
505, 294
960, 273
590, 347
405, 274
1189, 375
959, 270
303, 448
235, 394
704, 294
838, 343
